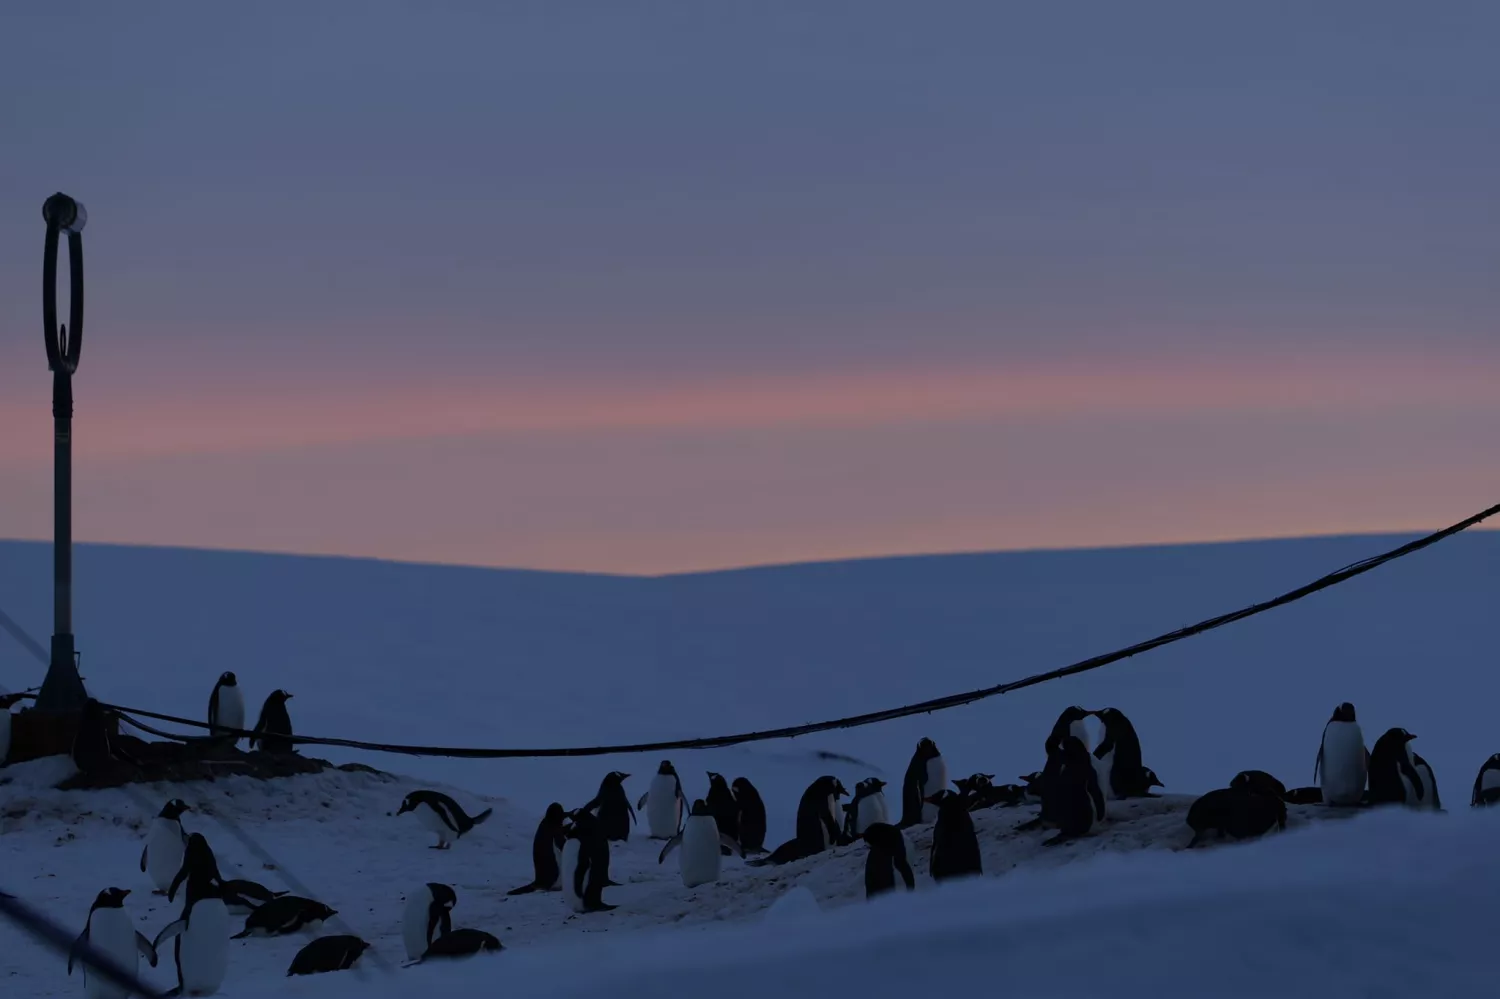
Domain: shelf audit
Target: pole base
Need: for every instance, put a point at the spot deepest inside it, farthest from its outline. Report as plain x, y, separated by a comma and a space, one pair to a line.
62, 691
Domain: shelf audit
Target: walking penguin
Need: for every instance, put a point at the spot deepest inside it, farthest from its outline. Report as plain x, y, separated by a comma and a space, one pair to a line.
442, 815
701, 842
663, 802
200, 938
585, 863
166, 841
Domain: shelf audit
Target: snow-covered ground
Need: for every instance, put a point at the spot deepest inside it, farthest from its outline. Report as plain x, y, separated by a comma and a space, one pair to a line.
1368, 905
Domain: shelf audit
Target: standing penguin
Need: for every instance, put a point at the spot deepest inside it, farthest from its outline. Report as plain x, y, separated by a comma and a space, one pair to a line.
7, 701
886, 858
428, 914
955, 847
226, 705
546, 852
442, 815
663, 802
1072, 801
1487, 783
1394, 778
817, 823
201, 936
612, 807
750, 816
1429, 796
109, 931
866, 808
701, 841
166, 840
723, 807
585, 864
1117, 758
926, 775
273, 729
1343, 762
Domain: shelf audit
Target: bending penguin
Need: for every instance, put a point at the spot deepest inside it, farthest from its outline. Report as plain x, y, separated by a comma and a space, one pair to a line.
817, 823
273, 729
166, 841
428, 914
750, 816
612, 807
243, 897
926, 775
326, 954
955, 847
109, 931
886, 858
200, 938
701, 841
1343, 762
1487, 783
442, 815
663, 802
585, 864
226, 706
546, 852
723, 807
1238, 812
1117, 758
1072, 801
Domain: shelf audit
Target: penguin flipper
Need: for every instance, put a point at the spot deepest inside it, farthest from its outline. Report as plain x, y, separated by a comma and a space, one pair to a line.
524, 889
169, 931
642, 802
143, 857
479, 819
144, 946
672, 844
731, 845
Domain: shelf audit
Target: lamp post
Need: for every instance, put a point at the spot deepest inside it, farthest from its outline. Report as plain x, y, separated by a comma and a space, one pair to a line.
62, 692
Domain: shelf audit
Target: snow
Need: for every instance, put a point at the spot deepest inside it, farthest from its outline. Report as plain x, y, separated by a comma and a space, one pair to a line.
478, 657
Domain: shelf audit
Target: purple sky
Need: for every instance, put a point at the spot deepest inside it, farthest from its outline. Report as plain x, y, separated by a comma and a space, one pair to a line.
642, 287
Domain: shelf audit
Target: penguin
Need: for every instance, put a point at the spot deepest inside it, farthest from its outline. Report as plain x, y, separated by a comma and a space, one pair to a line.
1260, 782
1033, 784
612, 807
109, 931
243, 897
1235, 812
926, 775
585, 863
955, 847
1069, 723
887, 857
1394, 778
166, 842
1343, 762
325, 954
663, 802
442, 815
1429, 796
725, 810
273, 729
1304, 796
428, 915
201, 936
1487, 783
817, 824
750, 816
546, 852
1117, 758
866, 808
1072, 801
226, 705
702, 843
283, 916
459, 943
7, 701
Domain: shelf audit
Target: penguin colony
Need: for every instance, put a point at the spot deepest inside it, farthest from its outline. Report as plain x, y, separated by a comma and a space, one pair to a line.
570, 850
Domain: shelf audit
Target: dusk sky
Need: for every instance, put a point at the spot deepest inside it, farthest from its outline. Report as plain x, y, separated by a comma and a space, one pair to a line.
643, 287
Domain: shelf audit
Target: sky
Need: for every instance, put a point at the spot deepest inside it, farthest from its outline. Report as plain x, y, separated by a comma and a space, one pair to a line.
654, 287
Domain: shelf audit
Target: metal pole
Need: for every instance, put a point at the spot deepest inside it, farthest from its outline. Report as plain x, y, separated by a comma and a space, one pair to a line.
62, 692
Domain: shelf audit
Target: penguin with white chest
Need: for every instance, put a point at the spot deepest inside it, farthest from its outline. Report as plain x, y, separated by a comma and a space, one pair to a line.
166, 841
1343, 762
1487, 783
818, 826
663, 802
1117, 758
546, 852
701, 843
112, 935
201, 936
866, 808
585, 864
442, 815
226, 706
428, 915
926, 775
1397, 774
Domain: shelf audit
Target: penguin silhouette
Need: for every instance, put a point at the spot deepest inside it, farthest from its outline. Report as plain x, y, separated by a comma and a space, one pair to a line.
273, 729
886, 858
546, 851
723, 807
612, 807
750, 816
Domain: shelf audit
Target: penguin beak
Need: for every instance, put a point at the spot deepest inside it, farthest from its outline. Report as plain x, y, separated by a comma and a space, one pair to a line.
124, 892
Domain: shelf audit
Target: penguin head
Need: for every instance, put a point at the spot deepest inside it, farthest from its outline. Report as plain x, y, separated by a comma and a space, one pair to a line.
1150, 777
873, 784
742, 786
174, 809
1073, 750
834, 785
1343, 713
555, 813
278, 697
1031, 778
615, 777
714, 780
940, 798
700, 807
110, 898
667, 768
1403, 734
227, 679
1493, 761
442, 894
927, 749
319, 911
407, 804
